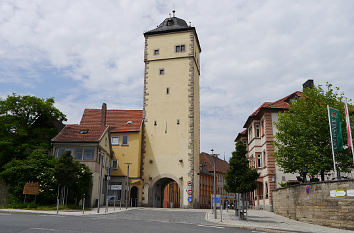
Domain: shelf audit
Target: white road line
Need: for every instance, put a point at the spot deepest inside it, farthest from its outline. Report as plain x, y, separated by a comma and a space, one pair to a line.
43, 229
211, 226
4, 214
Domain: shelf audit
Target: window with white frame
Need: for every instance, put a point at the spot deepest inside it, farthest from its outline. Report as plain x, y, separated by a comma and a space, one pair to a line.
125, 140
259, 160
84, 153
258, 132
115, 140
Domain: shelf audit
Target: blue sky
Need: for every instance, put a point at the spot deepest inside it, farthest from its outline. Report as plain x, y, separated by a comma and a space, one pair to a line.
84, 53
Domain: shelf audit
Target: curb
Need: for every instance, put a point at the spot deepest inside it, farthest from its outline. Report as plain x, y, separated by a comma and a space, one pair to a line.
251, 227
61, 213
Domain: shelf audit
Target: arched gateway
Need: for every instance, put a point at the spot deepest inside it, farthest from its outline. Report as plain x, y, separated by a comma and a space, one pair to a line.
165, 193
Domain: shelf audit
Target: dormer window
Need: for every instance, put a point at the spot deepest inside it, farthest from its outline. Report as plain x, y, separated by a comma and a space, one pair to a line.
169, 22
84, 131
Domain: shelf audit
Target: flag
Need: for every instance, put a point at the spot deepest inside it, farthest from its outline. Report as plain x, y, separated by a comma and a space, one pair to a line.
336, 129
347, 120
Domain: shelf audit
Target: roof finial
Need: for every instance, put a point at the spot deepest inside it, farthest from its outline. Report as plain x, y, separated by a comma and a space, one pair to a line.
173, 13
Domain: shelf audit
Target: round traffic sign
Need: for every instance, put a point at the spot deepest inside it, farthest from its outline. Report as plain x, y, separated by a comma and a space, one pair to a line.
189, 192
189, 183
189, 199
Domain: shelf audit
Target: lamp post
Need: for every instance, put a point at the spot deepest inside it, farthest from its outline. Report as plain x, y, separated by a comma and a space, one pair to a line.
127, 190
214, 207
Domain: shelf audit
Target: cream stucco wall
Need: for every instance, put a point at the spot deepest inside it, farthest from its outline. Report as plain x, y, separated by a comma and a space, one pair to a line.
166, 142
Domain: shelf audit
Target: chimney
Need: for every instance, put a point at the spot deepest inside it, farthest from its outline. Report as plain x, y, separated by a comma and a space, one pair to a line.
308, 84
103, 114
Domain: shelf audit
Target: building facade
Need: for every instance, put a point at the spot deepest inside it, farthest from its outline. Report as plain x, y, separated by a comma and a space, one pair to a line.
207, 180
170, 147
258, 137
125, 137
90, 145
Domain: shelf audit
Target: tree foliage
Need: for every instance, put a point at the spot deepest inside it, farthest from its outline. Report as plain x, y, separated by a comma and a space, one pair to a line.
74, 176
49, 173
26, 123
303, 139
240, 178
38, 167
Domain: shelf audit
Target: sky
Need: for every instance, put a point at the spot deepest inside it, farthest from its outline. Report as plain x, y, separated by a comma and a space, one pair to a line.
86, 52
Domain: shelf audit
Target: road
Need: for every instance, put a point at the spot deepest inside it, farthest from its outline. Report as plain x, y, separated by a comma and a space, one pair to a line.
137, 220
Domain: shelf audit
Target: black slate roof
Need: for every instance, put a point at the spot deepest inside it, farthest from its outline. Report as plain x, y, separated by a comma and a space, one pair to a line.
170, 25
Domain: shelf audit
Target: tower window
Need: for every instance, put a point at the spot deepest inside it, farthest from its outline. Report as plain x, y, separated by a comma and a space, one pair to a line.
155, 123
167, 90
180, 48
178, 122
156, 52
162, 71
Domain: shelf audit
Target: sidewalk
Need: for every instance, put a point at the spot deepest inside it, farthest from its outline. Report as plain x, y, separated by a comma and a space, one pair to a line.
260, 220
93, 211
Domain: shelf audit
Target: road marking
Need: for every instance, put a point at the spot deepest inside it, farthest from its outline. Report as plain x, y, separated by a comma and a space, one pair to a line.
211, 226
4, 214
259, 231
43, 229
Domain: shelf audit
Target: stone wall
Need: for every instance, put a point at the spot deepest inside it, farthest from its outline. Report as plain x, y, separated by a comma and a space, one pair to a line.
3, 194
313, 203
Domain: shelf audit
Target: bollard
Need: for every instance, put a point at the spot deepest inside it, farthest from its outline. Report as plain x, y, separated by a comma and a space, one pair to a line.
120, 204
83, 205
57, 205
114, 204
220, 213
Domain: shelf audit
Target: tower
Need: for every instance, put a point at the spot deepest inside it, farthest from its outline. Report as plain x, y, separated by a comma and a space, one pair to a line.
171, 131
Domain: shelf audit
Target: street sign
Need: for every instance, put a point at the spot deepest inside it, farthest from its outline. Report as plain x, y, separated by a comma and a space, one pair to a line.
31, 188
218, 200
189, 199
189, 183
189, 192
116, 187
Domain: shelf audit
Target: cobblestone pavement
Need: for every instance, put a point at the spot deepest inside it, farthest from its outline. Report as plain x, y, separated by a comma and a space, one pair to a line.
259, 220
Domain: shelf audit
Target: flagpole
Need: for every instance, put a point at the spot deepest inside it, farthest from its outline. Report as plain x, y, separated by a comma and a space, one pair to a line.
330, 131
349, 131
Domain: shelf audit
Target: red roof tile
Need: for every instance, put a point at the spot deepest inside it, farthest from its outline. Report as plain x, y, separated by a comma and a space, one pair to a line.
281, 104
71, 133
116, 119
221, 165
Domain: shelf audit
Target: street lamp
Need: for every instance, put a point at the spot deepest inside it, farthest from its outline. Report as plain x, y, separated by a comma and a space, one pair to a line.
214, 207
127, 192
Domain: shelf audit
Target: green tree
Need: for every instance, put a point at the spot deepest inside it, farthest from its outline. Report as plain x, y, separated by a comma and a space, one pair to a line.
303, 140
38, 167
240, 178
73, 179
26, 123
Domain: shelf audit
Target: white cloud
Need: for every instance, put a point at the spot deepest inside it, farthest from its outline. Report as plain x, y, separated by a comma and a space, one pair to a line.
252, 51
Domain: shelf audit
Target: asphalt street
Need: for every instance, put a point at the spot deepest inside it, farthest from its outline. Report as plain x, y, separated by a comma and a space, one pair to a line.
137, 220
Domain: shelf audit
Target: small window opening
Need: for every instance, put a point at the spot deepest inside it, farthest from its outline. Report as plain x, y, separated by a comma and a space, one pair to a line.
162, 71
84, 131
183, 48
155, 123
129, 122
167, 90
156, 52
177, 121
178, 48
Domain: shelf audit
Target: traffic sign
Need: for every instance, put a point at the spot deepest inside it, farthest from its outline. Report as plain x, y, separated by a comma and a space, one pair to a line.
189, 192
189, 199
189, 183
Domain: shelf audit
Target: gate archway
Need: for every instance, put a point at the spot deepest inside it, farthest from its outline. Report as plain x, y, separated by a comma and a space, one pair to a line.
166, 193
